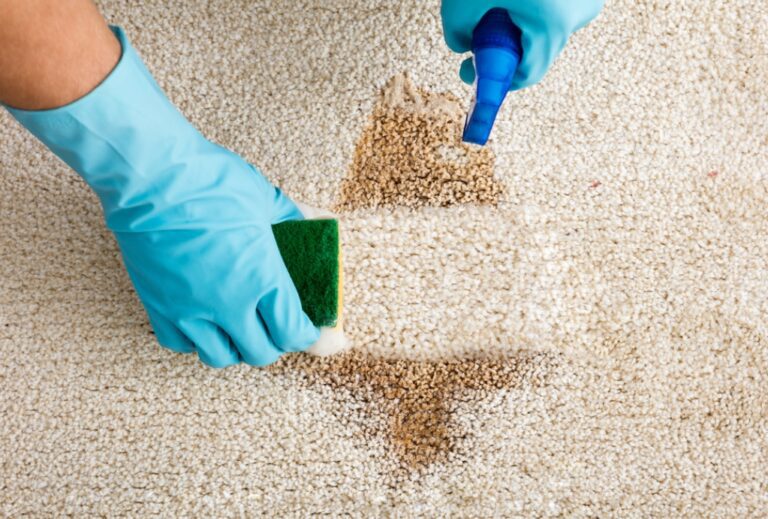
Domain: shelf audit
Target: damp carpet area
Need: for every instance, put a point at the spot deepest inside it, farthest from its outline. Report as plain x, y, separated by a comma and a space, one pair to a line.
570, 321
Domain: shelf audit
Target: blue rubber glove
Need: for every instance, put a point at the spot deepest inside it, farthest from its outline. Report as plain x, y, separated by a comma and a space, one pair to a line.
546, 26
192, 219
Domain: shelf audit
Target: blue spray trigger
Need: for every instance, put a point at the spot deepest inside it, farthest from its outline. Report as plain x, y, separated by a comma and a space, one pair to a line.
497, 51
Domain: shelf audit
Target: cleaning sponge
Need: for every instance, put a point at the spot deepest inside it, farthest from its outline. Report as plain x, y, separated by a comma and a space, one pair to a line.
311, 250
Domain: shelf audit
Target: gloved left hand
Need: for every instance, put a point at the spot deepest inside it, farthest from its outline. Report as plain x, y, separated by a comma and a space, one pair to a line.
546, 26
192, 219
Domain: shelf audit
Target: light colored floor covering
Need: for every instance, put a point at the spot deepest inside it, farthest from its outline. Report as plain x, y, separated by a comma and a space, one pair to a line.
571, 322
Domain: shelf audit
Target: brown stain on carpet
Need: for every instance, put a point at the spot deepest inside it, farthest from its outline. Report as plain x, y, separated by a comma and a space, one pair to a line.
411, 404
411, 154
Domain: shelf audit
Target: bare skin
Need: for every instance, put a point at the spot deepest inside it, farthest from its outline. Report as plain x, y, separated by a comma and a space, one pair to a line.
52, 52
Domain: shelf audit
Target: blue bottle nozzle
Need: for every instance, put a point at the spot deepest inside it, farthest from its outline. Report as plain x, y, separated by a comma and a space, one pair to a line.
497, 51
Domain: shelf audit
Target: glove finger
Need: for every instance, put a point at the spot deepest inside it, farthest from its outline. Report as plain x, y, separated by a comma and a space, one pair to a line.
539, 51
168, 335
280, 307
533, 66
284, 208
252, 340
588, 13
292, 333
467, 71
457, 30
213, 346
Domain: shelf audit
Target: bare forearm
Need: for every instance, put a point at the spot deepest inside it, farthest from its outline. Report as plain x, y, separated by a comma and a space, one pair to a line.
52, 52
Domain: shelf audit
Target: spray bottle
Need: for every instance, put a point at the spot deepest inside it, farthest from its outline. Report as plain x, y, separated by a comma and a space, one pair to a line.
497, 51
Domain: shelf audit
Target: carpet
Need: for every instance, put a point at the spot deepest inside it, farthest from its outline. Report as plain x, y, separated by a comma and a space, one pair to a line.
569, 322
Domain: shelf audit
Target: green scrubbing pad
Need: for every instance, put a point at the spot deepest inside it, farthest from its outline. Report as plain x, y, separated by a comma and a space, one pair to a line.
311, 252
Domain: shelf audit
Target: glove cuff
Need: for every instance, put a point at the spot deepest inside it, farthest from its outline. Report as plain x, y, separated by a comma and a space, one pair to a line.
131, 145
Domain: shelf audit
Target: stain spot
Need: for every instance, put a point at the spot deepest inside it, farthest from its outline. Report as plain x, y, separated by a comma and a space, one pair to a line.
712, 174
595, 184
411, 404
411, 154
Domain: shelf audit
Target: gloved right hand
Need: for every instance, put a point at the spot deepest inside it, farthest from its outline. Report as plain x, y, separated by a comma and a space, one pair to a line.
192, 219
546, 26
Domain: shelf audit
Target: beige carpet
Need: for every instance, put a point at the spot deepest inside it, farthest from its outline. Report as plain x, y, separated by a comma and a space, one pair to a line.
570, 322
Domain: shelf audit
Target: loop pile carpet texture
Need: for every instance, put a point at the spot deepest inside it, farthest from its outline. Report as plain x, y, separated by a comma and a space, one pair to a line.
571, 321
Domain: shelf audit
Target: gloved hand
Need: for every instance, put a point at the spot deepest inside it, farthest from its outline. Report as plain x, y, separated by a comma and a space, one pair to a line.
545, 26
192, 219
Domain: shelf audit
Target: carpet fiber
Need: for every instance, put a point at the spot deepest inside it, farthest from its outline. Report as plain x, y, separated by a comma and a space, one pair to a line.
571, 321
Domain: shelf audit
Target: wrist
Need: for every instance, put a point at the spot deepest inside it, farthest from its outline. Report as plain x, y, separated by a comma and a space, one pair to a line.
42, 68
129, 143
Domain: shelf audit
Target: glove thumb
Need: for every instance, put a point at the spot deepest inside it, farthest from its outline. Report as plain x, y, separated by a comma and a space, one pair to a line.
467, 71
